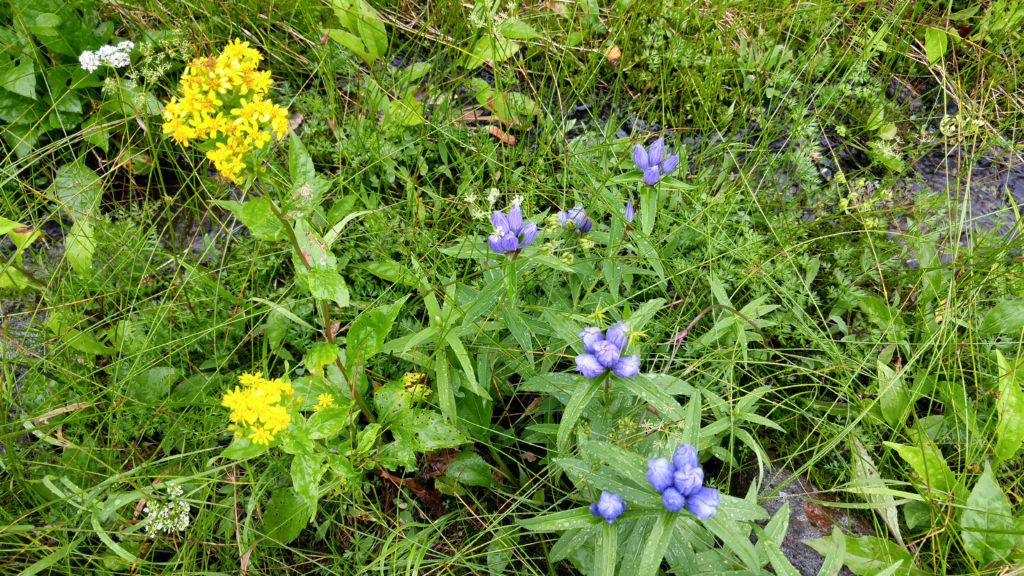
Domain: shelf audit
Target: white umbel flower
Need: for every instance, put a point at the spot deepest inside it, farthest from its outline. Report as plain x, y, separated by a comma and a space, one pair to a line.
168, 516
114, 56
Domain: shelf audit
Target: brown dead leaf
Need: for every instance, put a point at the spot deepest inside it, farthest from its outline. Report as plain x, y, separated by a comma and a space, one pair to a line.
613, 53
501, 135
296, 120
436, 463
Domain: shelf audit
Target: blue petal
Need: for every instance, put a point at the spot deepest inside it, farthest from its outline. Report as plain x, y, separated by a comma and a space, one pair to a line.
688, 480
494, 243
618, 334
588, 365
656, 151
509, 242
591, 335
669, 164
630, 211
659, 473
685, 457
607, 353
610, 506
563, 217
640, 157
651, 176
585, 225
704, 503
627, 366
515, 220
529, 232
500, 222
673, 500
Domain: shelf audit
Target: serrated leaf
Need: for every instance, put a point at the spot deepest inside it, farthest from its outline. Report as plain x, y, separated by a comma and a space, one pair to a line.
77, 188
306, 471
328, 285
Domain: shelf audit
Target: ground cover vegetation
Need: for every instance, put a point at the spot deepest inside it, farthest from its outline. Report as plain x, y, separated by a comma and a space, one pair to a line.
351, 287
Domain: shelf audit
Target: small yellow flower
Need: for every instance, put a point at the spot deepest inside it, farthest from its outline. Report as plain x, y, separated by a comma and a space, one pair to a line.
258, 407
323, 401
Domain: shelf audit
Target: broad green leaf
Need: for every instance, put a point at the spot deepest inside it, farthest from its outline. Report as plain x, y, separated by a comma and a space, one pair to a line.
77, 188
935, 42
285, 516
1010, 409
773, 543
435, 433
79, 246
1007, 318
391, 271
657, 543
306, 471
893, 397
469, 468
368, 332
607, 550
328, 422
581, 396
932, 471
153, 386
667, 406
80, 340
243, 449
868, 555
518, 30
735, 538
988, 527
869, 484
258, 216
328, 285
601, 478
834, 552
493, 48
319, 354
21, 79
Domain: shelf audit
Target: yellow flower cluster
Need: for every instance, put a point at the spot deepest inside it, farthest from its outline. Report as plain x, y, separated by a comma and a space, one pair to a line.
259, 407
223, 105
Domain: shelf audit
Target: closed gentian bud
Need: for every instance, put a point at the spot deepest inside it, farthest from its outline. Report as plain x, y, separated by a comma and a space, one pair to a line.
640, 157
515, 219
688, 480
656, 151
591, 335
659, 473
703, 503
685, 457
669, 164
529, 233
607, 353
500, 223
494, 243
630, 211
618, 335
673, 500
651, 176
608, 506
588, 365
627, 366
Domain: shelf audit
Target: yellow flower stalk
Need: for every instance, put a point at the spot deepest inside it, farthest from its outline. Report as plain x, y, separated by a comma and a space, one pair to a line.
224, 110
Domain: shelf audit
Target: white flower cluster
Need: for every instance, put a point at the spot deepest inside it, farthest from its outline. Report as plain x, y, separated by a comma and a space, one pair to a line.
115, 56
169, 516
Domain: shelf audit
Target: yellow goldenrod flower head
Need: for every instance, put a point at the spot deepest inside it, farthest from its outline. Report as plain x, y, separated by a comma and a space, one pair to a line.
323, 401
259, 407
223, 107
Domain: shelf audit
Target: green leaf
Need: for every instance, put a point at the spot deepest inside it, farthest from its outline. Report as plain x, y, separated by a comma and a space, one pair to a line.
306, 472
494, 48
834, 555
938, 480
559, 521
258, 216
285, 516
868, 483
79, 246
606, 552
518, 30
243, 449
772, 535
368, 332
657, 543
328, 285
1010, 409
1007, 317
867, 555
391, 271
988, 527
328, 422
893, 397
21, 79
77, 188
581, 396
935, 43
153, 386
80, 340
471, 469
434, 432
319, 354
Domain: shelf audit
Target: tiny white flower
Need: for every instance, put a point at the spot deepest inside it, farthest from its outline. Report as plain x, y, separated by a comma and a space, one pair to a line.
492, 196
517, 200
89, 61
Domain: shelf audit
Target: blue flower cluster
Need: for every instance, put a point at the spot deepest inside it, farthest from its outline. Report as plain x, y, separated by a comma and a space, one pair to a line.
604, 351
510, 233
680, 483
653, 161
575, 219
608, 506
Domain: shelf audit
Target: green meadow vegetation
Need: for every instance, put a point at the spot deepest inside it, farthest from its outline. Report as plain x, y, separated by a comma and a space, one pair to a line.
383, 287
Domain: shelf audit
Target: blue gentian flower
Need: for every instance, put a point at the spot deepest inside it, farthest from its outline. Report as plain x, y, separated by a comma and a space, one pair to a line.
659, 473
510, 233
608, 506
704, 503
653, 162
630, 211
685, 457
688, 480
601, 353
673, 500
575, 219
